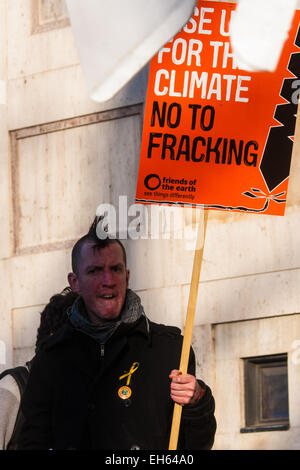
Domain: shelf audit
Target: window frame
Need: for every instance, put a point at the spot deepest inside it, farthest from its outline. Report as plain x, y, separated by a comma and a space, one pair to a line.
254, 421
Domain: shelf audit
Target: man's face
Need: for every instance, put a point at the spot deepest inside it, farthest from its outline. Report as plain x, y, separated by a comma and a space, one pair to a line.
101, 281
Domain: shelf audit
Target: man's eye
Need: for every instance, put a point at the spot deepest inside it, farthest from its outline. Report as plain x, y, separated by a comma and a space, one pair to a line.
94, 270
117, 268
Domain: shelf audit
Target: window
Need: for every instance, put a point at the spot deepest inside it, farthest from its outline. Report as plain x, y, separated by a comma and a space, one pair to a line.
266, 393
49, 14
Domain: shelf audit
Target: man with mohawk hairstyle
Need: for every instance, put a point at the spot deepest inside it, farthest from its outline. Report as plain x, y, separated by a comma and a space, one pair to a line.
109, 378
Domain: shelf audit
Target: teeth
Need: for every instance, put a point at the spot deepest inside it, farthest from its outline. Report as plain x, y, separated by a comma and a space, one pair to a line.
107, 296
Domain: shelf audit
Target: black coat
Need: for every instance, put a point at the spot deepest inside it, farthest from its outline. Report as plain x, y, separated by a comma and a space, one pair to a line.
72, 401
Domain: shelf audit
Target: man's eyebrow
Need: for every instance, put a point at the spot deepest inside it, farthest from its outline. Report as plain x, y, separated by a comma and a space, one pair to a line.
95, 265
100, 265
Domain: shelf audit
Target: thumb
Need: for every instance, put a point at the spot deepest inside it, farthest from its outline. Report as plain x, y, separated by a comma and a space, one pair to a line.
174, 373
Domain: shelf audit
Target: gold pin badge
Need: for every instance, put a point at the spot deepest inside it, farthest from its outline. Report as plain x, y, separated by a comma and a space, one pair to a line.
124, 392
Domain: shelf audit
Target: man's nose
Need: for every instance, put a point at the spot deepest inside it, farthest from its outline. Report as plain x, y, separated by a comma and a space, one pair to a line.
107, 279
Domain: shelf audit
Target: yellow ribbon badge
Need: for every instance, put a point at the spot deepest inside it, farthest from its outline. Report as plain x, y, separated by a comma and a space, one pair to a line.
133, 368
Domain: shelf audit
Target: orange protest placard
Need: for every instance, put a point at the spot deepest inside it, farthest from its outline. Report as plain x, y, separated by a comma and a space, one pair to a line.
214, 135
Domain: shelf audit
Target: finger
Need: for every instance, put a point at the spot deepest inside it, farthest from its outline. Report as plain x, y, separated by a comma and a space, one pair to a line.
184, 379
182, 393
183, 387
182, 399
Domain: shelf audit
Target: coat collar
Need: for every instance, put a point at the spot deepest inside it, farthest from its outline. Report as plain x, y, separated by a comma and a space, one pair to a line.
67, 332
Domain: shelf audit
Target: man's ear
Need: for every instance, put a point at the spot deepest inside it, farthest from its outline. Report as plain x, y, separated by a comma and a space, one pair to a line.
73, 281
127, 277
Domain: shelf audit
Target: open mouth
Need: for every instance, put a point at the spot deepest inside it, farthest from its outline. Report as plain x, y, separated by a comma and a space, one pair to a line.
108, 296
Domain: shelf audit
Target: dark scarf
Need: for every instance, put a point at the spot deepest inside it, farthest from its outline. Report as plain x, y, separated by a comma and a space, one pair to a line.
130, 313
